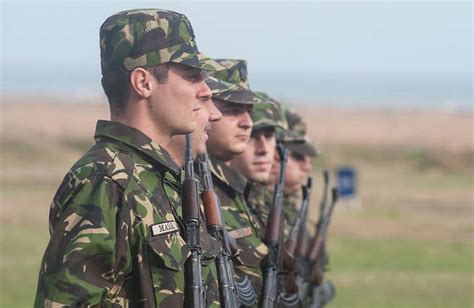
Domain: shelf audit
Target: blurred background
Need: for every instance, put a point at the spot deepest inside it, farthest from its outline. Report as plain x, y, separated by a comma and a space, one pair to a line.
386, 88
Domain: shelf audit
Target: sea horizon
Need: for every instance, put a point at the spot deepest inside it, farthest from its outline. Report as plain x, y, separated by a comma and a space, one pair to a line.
450, 92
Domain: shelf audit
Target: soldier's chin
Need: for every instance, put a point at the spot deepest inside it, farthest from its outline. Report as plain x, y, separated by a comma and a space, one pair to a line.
260, 176
239, 147
204, 138
190, 127
201, 145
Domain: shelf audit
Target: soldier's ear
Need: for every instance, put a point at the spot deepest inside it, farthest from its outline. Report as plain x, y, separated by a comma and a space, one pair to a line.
141, 82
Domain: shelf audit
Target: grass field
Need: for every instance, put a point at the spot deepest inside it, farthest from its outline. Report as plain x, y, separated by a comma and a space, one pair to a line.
408, 241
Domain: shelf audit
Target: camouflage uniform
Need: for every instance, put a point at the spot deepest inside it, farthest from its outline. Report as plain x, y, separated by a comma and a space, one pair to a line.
259, 199
114, 232
297, 140
291, 131
240, 222
230, 185
115, 221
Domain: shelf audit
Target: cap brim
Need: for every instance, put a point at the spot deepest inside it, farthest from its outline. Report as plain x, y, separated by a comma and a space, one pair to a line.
267, 124
288, 136
218, 86
264, 125
198, 60
303, 148
240, 95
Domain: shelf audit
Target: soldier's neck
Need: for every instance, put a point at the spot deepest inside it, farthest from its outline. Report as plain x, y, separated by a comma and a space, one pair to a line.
176, 149
143, 124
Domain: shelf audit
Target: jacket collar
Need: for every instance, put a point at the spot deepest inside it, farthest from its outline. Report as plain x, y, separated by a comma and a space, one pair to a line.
135, 139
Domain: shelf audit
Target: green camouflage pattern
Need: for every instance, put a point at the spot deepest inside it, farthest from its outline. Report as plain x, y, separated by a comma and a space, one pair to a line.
219, 86
269, 114
240, 222
260, 199
295, 136
104, 249
235, 73
147, 37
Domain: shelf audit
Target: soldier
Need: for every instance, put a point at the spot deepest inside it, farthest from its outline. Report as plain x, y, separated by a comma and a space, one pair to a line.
115, 220
300, 152
228, 138
256, 162
204, 123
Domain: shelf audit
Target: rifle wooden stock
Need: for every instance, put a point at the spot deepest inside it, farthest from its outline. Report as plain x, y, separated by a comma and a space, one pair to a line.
316, 246
190, 199
273, 228
288, 255
289, 266
211, 210
303, 241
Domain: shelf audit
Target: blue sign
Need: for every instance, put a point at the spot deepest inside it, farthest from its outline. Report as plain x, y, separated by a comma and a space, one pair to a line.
346, 182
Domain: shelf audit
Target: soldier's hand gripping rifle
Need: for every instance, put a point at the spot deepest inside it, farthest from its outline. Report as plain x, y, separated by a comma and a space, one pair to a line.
270, 266
193, 286
216, 227
322, 293
291, 256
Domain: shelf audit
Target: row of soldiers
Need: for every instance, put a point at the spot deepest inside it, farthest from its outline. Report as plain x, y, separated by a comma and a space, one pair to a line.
127, 226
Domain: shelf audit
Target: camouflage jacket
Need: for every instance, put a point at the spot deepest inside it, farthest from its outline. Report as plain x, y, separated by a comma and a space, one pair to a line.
260, 199
240, 222
116, 230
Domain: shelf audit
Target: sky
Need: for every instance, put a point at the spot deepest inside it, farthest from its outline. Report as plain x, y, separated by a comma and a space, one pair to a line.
321, 38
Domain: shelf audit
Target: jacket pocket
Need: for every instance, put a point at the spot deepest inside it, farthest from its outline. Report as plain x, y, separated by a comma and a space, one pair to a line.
167, 254
169, 251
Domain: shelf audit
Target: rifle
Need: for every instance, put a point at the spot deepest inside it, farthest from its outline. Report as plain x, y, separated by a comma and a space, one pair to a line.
270, 266
229, 291
295, 240
193, 287
302, 250
324, 199
317, 255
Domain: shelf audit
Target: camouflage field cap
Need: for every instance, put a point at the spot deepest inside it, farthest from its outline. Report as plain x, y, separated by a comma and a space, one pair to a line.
235, 73
295, 137
147, 37
219, 86
269, 114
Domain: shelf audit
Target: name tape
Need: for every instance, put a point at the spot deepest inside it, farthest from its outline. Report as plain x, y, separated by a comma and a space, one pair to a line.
163, 228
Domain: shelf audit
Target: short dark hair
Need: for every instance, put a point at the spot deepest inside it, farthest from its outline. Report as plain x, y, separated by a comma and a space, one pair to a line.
117, 86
